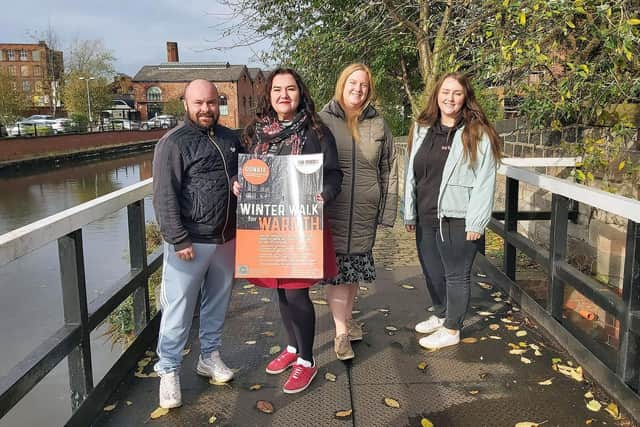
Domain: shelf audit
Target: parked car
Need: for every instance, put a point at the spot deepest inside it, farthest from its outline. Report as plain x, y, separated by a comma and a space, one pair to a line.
38, 124
3, 131
162, 121
123, 124
62, 125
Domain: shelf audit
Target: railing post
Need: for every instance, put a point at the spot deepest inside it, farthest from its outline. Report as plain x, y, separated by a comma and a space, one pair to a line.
629, 353
138, 258
557, 253
510, 224
74, 300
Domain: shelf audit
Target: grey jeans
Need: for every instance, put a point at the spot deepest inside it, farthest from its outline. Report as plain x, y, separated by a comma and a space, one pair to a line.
446, 262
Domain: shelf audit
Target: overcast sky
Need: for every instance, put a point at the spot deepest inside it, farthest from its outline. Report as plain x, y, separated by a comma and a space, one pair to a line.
136, 31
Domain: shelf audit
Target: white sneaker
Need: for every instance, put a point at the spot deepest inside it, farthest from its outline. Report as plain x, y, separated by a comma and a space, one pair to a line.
170, 393
213, 367
439, 339
432, 324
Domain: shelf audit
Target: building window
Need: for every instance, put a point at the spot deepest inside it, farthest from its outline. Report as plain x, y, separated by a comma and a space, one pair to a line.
37, 71
154, 94
11, 55
25, 71
12, 70
38, 86
251, 106
223, 106
35, 55
14, 85
244, 104
26, 86
1, 55
23, 55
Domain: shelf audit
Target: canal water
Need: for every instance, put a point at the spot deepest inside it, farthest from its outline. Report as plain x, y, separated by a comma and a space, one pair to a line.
30, 292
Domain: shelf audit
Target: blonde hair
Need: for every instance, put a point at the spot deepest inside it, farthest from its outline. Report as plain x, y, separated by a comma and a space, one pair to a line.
352, 119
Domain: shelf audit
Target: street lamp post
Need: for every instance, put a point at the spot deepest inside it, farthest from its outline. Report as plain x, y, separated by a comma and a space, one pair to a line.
86, 80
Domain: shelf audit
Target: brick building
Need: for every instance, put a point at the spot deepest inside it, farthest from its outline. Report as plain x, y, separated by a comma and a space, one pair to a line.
36, 68
154, 85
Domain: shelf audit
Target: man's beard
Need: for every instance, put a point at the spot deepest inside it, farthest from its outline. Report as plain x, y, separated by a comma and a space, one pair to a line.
194, 118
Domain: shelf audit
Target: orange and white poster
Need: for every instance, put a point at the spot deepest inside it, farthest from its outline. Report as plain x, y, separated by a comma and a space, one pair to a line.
279, 220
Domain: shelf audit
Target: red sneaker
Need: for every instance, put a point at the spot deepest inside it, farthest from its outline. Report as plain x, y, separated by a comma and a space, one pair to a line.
282, 362
299, 379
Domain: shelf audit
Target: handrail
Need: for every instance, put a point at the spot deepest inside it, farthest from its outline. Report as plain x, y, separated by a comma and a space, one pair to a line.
611, 203
24, 240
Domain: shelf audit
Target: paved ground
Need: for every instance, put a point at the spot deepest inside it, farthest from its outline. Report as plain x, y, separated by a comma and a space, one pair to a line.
473, 384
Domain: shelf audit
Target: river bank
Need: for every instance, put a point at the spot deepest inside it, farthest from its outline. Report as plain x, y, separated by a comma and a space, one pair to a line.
19, 153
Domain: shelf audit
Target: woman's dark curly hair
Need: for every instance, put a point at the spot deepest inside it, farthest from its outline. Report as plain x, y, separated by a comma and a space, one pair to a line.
265, 109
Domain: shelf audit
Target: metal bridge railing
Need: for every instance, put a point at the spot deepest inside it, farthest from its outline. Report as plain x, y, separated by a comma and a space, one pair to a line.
80, 318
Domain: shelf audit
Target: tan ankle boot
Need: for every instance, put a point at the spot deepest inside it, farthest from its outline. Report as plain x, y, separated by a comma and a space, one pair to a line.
355, 330
342, 347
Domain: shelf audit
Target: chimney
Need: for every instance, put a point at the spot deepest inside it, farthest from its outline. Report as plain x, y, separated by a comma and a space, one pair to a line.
172, 52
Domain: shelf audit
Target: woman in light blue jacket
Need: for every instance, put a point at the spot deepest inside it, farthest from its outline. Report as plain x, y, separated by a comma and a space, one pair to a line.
448, 199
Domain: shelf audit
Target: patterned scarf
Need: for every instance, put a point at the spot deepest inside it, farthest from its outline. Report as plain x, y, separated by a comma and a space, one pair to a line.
272, 137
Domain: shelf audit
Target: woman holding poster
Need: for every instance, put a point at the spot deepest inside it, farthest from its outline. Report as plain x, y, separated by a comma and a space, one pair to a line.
287, 124
369, 195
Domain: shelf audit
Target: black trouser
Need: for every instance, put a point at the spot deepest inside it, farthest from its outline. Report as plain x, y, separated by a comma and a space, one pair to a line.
446, 263
299, 320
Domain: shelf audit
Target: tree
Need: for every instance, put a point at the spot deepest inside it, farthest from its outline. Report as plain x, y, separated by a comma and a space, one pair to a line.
86, 59
54, 64
13, 102
174, 107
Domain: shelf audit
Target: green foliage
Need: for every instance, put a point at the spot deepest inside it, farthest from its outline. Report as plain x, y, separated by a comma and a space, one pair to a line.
74, 95
174, 107
13, 102
121, 320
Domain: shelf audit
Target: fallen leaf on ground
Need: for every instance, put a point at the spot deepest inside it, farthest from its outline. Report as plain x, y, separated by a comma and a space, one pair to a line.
212, 381
527, 424
556, 360
518, 351
265, 299
345, 413
505, 320
392, 403
422, 365
249, 286
149, 353
426, 423
363, 288
319, 301
484, 285
481, 275
383, 310
212, 419
275, 349
512, 327
140, 374
546, 382
613, 410
525, 360
268, 334
250, 342
470, 340
129, 403
159, 412
109, 408
330, 377
355, 311
474, 392
186, 351
588, 395
497, 299
485, 313
494, 326
391, 328
515, 309
538, 353
521, 333
144, 362
534, 346
255, 387
264, 406
594, 405
495, 337
408, 286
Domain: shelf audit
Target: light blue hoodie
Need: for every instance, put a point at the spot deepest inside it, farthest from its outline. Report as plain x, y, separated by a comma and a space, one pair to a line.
465, 192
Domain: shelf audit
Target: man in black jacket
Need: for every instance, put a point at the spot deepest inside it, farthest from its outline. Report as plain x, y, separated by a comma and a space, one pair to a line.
194, 171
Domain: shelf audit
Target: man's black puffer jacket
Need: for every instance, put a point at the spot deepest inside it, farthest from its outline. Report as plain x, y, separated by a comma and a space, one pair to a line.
192, 172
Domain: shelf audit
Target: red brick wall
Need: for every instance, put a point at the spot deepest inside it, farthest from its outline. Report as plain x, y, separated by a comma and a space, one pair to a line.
29, 64
26, 148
